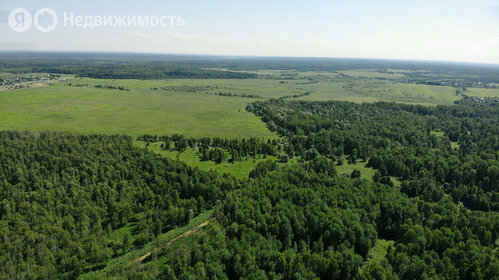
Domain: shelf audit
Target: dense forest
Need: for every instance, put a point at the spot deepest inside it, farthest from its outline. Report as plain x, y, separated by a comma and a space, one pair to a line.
160, 66
114, 66
303, 222
216, 149
63, 196
401, 141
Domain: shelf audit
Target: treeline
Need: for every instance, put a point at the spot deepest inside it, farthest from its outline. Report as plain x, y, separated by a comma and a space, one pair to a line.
200, 89
150, 66
303, 222
98, 86
112, 87
399, 140
217, 149
307, 93
228, 94
114, 67
146, 71
63, 195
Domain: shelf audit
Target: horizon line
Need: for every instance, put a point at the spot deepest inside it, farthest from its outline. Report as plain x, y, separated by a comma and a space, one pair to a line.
254, 56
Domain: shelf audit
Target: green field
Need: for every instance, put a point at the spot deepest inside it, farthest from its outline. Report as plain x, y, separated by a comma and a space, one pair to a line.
372, 74
483, 92
365, 90
134, 112
195, 107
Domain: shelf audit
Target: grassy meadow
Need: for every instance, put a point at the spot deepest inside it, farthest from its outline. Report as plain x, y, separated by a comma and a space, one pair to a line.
240, 169
138, 111
366, 90
198, 107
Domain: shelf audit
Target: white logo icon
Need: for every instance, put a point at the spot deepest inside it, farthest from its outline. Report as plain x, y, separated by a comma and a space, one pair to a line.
41, 13
20, 20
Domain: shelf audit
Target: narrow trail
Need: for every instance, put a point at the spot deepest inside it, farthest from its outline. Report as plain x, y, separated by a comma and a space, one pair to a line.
187, 233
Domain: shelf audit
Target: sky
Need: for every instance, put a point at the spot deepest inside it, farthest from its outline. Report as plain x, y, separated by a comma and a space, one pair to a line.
443, 30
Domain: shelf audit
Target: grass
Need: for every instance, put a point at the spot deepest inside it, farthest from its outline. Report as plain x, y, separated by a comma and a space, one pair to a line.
378, 252
483, 92
139, 111
119, 234
162, 256
183, 106
366, 173
368, 90
372, 74
242, 169
454, 145
438, 133
239, 169
161, 239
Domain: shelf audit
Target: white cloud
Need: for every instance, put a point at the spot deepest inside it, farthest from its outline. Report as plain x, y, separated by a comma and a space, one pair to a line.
140, 35
180, 35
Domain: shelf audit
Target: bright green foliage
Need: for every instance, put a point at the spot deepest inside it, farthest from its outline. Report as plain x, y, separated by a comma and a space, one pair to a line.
399, 140
302, 223
62, 195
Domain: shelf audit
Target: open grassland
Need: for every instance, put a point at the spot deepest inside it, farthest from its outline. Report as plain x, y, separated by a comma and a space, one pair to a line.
138, 111
373, 74
195, 107
483, 92
264, 88
365, 90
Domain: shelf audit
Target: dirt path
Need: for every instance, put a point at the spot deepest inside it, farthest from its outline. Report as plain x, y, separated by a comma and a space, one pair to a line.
187, 233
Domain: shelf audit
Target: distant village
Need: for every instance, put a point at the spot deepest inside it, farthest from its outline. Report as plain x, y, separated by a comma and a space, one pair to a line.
20, 82
481, 99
